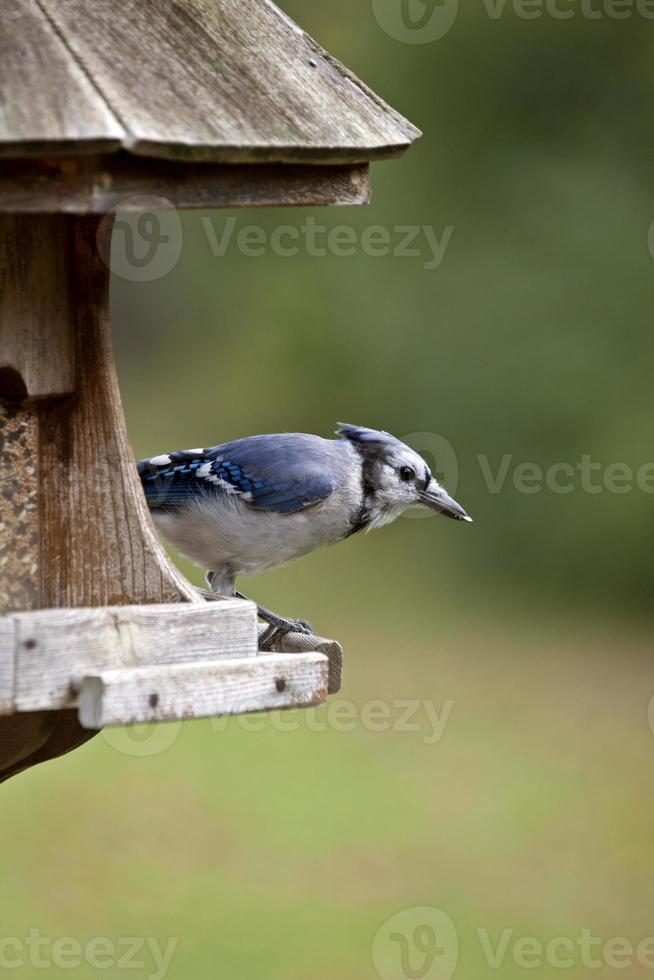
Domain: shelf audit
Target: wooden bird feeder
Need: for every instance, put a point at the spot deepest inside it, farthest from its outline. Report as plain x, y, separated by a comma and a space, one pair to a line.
204, 103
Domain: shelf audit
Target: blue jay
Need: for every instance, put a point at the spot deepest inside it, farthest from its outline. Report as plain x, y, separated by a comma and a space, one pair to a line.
257, 503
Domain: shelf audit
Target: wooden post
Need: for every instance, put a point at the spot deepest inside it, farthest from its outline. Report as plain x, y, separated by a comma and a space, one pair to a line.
74, 528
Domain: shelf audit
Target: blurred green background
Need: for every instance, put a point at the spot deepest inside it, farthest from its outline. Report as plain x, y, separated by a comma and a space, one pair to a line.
278, 855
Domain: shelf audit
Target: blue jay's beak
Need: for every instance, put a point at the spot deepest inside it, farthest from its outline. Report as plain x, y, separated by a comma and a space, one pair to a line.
440, 501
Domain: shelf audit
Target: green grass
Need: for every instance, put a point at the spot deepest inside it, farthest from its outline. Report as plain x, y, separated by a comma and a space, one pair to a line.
276, 855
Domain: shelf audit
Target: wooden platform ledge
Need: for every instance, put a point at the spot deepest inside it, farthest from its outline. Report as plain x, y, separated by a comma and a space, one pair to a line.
126, 664
203, 690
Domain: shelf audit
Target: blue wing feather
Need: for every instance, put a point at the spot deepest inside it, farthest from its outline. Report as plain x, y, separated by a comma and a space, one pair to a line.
283, 473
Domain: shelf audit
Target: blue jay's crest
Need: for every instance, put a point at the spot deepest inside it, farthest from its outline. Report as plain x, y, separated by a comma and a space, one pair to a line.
369, 442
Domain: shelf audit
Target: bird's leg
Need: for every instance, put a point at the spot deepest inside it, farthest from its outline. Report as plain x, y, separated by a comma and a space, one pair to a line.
210, 595
218, 589
278, 625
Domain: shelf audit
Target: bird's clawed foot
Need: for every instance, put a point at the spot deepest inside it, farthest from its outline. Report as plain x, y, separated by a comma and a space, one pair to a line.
276, 631
278, 626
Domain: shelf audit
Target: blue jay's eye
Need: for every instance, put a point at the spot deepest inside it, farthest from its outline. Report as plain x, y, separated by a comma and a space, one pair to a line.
406, 473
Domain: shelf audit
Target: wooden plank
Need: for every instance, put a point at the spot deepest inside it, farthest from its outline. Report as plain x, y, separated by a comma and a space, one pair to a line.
95, 185
304, 643
37, 321
202, 690
211, 80
49, 647
7, 663
48, 102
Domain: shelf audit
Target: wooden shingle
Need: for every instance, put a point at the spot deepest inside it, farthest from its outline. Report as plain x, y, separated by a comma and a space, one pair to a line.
47, 102
223, 81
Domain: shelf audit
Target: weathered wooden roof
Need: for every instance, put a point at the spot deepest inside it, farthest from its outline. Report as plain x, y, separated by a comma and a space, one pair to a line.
229, 81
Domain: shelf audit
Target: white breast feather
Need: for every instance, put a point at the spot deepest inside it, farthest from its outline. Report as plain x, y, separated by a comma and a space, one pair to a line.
223, 531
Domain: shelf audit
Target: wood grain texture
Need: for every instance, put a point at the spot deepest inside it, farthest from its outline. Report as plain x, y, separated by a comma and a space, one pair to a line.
37, 318
98, 545
95, 185
7, 664
46, 648
305, 643
212, 80
142, 694
47, 100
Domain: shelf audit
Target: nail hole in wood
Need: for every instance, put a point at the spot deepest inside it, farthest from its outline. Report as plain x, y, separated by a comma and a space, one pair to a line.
280, 684
29, 644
